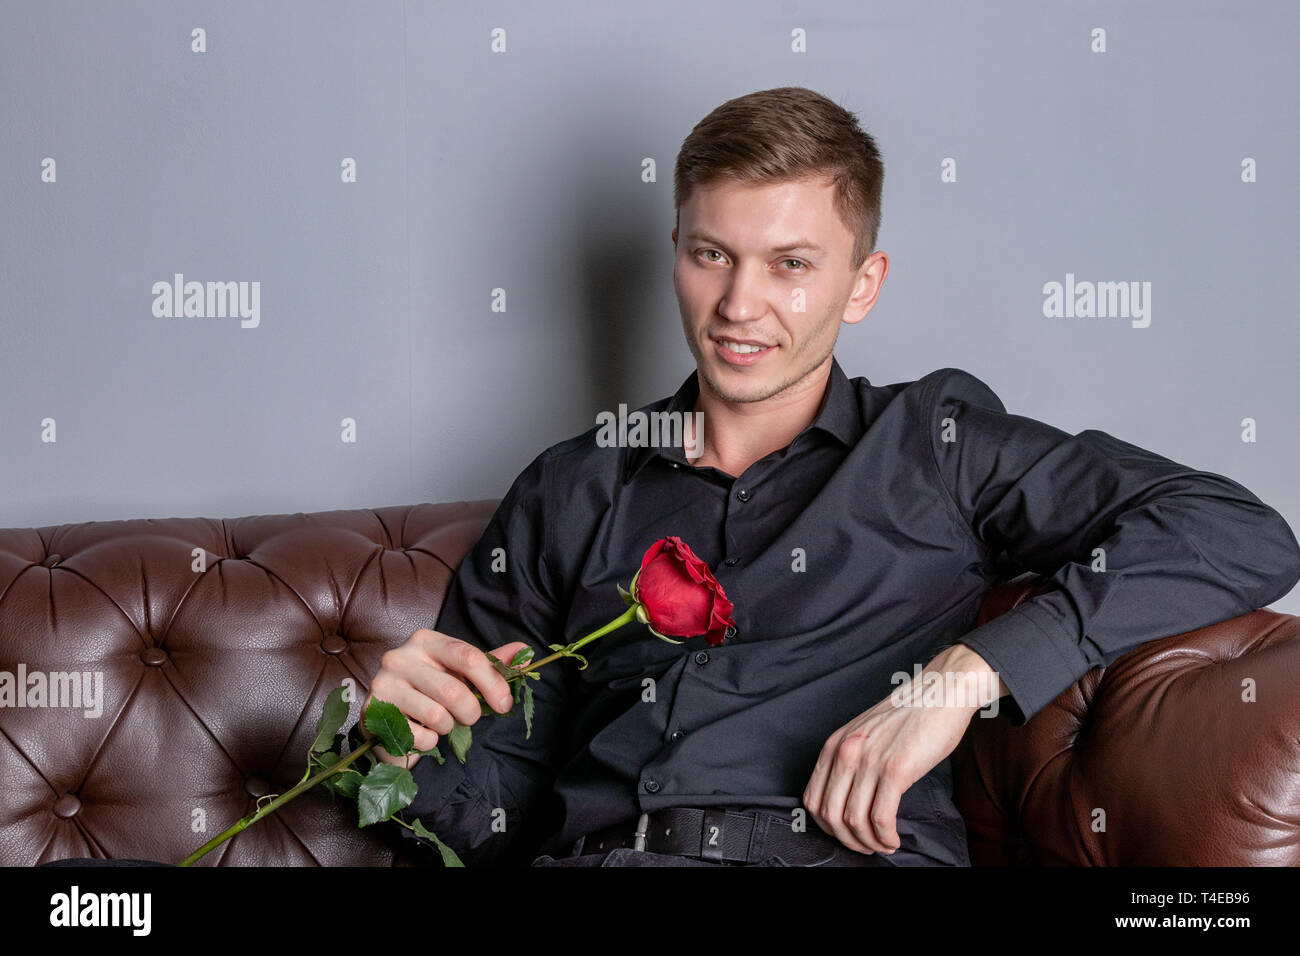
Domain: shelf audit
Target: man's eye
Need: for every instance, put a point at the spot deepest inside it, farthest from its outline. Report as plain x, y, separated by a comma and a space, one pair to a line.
795, 261
707, 251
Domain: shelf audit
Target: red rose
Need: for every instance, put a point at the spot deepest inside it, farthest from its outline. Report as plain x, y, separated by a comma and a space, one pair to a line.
680, 595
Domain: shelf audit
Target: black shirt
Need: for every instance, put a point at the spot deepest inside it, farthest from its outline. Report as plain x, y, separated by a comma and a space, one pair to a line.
857, 552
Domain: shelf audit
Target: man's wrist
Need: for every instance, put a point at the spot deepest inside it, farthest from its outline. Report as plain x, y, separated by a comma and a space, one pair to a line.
961, 668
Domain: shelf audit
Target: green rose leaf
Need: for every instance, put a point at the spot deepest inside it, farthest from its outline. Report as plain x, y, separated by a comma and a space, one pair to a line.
332, 715
449, 857
460, 738
436, 753
385, 790
345, 784
323, 761
522, 656
386, 722
528, 711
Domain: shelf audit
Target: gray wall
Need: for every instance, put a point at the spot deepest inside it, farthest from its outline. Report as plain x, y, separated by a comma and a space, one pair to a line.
522, 170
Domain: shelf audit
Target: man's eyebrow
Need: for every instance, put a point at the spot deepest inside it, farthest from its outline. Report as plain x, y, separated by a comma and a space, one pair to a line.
798, 245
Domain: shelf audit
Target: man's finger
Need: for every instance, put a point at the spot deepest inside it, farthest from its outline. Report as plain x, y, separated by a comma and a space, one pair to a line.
864, 796
442, 692
506, 652
419, 708
885, 808
468, 661
814, 791
861, 787
838, 784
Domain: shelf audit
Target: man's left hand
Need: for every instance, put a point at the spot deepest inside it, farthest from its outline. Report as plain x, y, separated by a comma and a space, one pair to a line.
866, 765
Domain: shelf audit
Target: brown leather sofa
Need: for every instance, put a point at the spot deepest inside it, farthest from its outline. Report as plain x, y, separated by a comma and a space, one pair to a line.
213, 674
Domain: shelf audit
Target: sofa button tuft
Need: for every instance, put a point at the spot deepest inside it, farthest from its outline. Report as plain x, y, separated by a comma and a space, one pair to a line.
256, 787
66, 806
52, 560
334, 644
154, 656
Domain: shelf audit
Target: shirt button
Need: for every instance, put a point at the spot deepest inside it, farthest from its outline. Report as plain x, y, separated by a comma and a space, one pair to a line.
652, 786
677, 735
730, 562
674, 464
742, 494
731, 631
701, 657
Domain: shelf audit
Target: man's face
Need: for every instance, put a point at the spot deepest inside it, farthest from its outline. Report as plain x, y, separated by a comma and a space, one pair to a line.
738, 286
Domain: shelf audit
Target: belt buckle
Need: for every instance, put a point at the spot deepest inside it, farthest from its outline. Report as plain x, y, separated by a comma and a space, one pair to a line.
642, 828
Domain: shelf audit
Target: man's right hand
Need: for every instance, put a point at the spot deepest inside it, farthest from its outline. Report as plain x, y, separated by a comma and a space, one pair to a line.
428, 679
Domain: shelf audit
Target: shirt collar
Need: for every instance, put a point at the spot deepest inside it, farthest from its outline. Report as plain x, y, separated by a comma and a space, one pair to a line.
838, 416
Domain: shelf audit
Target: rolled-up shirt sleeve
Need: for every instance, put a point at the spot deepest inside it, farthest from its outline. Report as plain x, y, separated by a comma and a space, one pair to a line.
1182, 549
490, 808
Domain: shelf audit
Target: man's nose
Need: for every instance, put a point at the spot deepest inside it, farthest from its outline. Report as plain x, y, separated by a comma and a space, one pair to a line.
744, 299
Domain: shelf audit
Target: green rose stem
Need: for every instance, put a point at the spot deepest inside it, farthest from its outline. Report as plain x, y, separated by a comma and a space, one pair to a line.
306, 784
276, 804
627, 617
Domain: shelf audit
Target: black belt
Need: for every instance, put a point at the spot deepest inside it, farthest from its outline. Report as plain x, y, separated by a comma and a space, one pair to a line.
723, 836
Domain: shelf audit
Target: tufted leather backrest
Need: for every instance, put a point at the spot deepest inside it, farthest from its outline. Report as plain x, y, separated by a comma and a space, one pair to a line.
215, 643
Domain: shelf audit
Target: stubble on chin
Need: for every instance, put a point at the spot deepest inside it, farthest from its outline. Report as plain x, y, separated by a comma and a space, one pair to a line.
750, 394
746, 394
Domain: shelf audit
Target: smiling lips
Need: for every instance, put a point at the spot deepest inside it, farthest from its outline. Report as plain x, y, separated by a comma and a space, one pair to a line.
740, 351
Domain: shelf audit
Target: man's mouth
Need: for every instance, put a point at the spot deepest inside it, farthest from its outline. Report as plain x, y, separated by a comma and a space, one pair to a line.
741, 351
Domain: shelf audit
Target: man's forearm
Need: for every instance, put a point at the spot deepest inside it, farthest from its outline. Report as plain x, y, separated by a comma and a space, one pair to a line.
960, 666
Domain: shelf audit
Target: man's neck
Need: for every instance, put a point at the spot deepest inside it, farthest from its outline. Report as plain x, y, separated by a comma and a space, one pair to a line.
737, 434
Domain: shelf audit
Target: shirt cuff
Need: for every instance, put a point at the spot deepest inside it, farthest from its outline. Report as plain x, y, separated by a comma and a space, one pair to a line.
1032, 653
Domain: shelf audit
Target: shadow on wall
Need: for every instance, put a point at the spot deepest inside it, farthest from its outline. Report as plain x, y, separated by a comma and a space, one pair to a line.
629, 344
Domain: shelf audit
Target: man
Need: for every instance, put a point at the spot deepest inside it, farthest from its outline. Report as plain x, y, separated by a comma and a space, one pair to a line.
856, 528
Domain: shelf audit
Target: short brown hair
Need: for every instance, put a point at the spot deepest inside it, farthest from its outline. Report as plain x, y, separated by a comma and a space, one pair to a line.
788, 133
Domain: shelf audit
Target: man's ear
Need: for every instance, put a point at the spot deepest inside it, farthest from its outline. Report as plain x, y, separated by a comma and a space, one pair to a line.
674, 235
